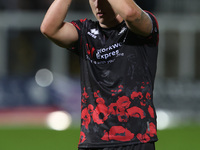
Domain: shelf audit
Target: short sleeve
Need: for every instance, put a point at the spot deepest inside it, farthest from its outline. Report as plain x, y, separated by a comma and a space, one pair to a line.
154, 36
79, 25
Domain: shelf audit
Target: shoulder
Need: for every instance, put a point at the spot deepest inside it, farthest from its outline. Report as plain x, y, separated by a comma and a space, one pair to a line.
84, 23
154, 19
153, 38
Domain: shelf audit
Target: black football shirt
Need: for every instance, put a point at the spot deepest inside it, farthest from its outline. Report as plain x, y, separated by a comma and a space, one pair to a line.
118, 70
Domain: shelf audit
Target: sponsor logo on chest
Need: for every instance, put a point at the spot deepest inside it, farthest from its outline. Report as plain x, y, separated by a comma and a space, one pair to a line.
122, 30
93, 33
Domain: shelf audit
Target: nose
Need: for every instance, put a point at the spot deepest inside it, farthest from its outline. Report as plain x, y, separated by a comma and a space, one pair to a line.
98, 3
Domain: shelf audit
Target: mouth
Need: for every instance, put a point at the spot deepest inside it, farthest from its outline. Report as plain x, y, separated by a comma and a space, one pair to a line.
100, 14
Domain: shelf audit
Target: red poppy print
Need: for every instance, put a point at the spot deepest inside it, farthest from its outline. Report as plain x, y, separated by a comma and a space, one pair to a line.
100, 114
143, 102
122, 116
90, 50
76, 25
100, 101
143, 138
120, 108
144, 85
118, 133
151, 112
152, 130
85, 116
83, 100
114, 92
90, 109
122, 104
85, 94
82, 137
120, 89
148, 96
83, 20
112, 108
96, 94
136, 112
136, 95
106, 136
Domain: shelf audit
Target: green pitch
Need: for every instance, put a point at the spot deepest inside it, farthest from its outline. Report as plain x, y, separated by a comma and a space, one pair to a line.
182, 138
38, 139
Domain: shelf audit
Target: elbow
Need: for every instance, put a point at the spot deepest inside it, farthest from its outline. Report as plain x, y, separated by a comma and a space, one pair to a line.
44, 30
130, 14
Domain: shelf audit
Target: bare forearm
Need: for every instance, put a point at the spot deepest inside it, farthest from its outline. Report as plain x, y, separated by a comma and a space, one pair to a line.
137, 20
124, 8
55, 16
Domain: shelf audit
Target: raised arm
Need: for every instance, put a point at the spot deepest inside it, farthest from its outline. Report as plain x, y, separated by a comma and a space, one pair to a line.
55, 28
136, 19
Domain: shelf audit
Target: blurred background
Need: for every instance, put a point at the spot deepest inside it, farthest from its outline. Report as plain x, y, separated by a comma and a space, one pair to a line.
39, 81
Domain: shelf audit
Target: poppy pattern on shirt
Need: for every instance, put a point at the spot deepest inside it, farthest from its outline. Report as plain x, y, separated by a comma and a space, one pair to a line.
117, 81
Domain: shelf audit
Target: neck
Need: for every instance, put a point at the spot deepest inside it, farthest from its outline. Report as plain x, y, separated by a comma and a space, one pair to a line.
112, 23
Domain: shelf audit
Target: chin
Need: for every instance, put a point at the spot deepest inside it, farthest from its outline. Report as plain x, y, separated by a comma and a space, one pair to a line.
101, 20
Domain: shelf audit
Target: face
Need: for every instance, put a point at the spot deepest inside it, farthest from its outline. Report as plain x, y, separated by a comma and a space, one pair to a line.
103, 12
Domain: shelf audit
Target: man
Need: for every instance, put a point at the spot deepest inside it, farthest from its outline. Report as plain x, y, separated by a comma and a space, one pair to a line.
118, 55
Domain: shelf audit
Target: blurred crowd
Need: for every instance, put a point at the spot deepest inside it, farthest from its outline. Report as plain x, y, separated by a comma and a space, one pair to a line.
27, 51
24, 4
44, 4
